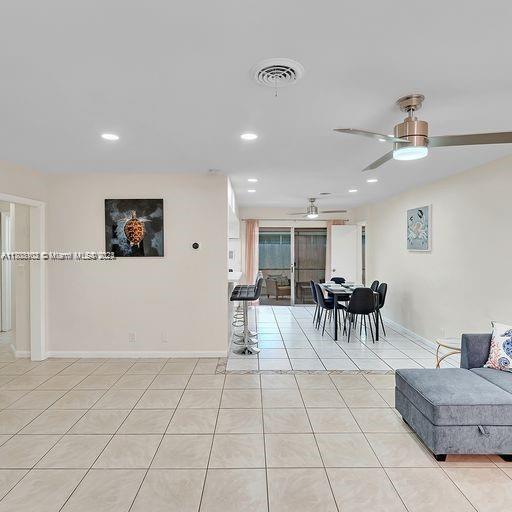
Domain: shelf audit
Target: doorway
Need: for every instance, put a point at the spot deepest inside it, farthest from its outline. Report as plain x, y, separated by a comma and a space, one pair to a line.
289, 258
28, 278
363, 254
310, 246
6, 284
275, 257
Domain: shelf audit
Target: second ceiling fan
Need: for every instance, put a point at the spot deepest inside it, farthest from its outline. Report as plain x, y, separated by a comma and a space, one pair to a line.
411, 140
312, 211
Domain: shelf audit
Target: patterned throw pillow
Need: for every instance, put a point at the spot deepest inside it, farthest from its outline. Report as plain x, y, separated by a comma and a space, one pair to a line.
500, 355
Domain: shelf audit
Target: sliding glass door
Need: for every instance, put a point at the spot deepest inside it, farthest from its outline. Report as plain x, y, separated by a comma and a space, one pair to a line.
309, 261
288, 259
275, 263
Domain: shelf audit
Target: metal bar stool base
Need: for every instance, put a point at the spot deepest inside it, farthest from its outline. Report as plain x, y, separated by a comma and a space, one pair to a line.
247, 350
242, 342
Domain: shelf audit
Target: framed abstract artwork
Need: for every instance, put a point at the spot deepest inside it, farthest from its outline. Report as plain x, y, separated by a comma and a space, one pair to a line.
134, 227
419, 228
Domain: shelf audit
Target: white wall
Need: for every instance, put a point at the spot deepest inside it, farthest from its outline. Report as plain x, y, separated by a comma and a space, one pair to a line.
182, 296
466, 281
22, 182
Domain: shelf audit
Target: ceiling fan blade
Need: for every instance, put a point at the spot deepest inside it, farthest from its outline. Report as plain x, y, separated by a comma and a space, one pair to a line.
382, 160
372, 135
333, 211
301, 213
470, 139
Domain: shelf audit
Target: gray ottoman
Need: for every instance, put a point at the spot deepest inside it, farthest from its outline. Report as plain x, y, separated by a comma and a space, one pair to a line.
454, 410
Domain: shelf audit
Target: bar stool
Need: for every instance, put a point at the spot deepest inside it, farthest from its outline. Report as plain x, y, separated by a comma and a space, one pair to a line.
238, 316
247, 294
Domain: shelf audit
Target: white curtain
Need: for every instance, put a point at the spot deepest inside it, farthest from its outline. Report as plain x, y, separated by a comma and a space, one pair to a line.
251, 250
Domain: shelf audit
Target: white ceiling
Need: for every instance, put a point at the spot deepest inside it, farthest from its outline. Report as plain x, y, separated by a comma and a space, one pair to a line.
172, 79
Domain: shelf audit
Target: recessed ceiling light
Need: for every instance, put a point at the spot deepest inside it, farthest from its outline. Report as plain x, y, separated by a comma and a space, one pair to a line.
353, 190
248, 136
251, 190
110, 136
253, 180
372, 180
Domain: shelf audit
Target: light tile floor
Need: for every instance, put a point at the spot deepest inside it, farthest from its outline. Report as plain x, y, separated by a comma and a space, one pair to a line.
136, 435
174, 435
290, 342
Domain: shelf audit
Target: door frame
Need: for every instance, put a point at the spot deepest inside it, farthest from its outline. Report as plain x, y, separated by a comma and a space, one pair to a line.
292, 225
38, 279
360, 250
6, 278
292, 266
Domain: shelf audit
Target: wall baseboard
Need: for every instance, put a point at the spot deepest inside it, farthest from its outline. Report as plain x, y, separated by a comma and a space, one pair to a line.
135, 353
410, 334
21, 353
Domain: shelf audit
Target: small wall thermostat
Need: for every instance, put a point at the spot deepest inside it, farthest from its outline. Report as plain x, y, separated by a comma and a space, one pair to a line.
195, 245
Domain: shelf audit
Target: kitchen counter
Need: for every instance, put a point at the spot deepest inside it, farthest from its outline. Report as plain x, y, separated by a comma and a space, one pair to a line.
234, 277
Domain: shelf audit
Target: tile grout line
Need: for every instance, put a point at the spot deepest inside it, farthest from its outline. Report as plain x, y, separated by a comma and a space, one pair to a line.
55, 444
207, 469
318, 446
120, 425
264, 444
163, 435
88, 470
375, 454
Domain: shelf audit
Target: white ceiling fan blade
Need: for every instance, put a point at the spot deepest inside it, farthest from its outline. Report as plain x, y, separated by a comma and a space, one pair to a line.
301, 213
372, 135
470, 139
333, 211
382, 160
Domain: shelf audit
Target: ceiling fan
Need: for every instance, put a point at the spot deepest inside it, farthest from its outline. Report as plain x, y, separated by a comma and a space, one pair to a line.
312, 210
411, 140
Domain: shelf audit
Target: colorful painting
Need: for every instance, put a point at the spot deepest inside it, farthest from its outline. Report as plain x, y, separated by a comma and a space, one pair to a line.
134, 227
419, 228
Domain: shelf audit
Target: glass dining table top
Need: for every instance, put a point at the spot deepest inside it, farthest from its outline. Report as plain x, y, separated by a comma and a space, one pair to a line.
341, 289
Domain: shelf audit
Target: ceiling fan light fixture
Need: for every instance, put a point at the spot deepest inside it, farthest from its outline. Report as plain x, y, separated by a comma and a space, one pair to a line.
410, 153
312, 215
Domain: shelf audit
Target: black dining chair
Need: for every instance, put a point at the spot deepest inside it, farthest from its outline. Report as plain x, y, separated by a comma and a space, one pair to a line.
382, 291
362, 303
374, 286
324, 305
337, 280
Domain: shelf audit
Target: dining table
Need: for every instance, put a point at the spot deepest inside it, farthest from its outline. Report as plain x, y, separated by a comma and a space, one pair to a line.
343, 293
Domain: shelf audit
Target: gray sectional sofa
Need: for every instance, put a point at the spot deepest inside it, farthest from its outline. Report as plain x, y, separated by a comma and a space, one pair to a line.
466, 410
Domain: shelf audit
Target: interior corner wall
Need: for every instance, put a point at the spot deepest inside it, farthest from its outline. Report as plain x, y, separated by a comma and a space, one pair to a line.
19, 181
464, 282
176, 304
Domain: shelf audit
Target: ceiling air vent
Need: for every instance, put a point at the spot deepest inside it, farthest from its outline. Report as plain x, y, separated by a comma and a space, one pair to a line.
277, 72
